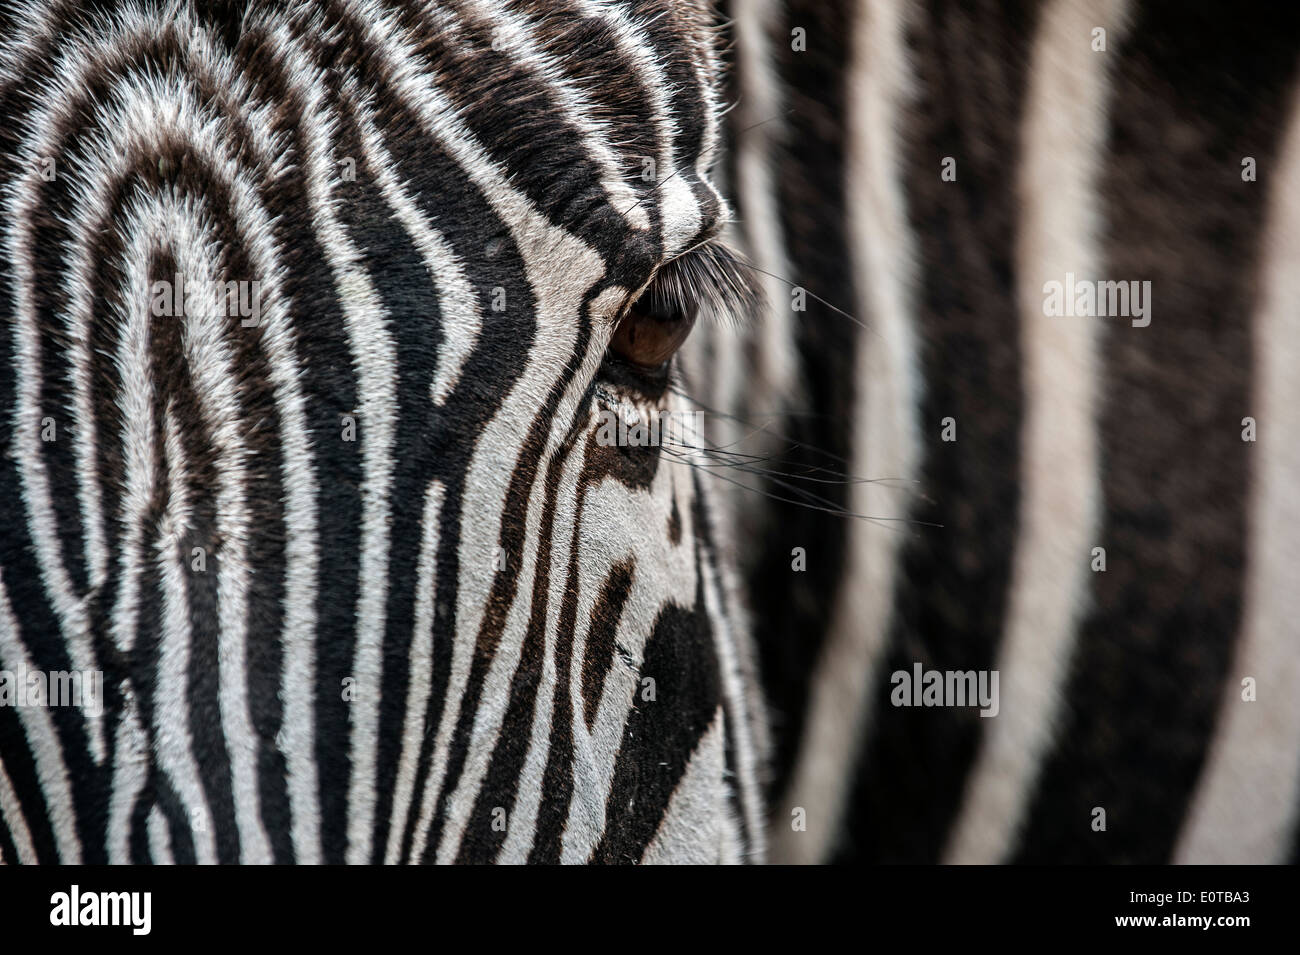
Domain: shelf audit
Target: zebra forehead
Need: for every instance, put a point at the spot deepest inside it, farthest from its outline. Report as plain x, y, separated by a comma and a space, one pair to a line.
601, 117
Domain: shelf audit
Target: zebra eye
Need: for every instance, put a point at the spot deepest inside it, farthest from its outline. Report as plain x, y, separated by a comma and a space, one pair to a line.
708, 279
651, 331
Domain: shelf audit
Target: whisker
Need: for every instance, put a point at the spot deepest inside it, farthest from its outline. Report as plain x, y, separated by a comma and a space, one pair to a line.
887, 523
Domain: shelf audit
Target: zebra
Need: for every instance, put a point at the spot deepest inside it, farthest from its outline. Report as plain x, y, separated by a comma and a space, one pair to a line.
910, 461
311, 314
1105, 510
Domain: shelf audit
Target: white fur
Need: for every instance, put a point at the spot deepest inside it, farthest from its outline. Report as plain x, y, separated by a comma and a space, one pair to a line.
51, 769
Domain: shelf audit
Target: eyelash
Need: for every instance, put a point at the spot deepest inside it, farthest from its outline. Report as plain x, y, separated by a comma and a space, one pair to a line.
710, 280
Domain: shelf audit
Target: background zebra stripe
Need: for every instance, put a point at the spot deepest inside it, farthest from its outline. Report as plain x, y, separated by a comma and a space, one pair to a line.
1063, 128
1121, 690
1246, 799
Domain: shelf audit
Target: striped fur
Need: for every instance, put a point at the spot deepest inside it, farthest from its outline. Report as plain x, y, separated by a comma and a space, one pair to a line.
466, 630
501, 581
1120, 690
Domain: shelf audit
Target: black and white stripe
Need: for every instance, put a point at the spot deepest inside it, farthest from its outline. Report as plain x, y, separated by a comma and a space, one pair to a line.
1119, 690
443, 206
494, 584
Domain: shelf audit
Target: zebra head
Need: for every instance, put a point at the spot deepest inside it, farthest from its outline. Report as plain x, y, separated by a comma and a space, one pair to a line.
372, 494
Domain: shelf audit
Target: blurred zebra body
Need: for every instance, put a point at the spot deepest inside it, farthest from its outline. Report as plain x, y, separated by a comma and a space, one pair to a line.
1104, 510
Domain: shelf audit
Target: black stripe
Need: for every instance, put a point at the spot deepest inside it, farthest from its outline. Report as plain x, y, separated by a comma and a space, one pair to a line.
36, 70
660, 735
971, 61
20, 763
809, 182
18, 577
602, 636
503, 771
139, 830
157, 792
330, 392
1147, 681
438, 184
410, 302
8, 851
669, 26
501, 785
586, 49
166, 364
558, 783
549, 164
660, 21
526, 131
265, 546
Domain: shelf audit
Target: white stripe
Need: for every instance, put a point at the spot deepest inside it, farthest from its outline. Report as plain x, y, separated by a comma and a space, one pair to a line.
298, 732
135, 401
476, 551
694, 826
375, 361
419, 672
374, 358
530, 787
37, 20
659, 568
595, 751
131, 762
540, 244
211, 365
155, 110
559, 297
460, 320
107, 165
11, 814
490, 717
761, 134
21, 199
885, 445
737, 674
212, 368
1244, 809
43, 740
173, 744
159, 105
1063, 137
512, 36
160, 838
678, 210
529, 790
706, 39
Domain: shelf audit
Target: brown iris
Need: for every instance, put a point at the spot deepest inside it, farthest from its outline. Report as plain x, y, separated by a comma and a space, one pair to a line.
651, 331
